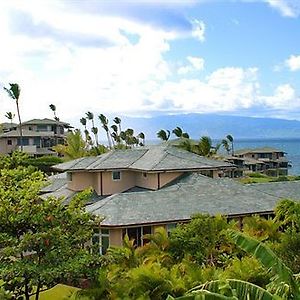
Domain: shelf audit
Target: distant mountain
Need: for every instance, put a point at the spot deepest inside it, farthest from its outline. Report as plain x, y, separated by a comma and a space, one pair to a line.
216, 126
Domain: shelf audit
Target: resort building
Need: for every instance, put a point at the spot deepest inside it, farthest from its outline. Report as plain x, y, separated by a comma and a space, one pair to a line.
39, 136
265, 160
138, 190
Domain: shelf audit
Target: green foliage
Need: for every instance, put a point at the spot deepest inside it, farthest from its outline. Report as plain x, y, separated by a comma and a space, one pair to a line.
282, 274
201, 238
280, 178
246, 269
257, 175
262, 228
43, 163
15, 160
41, 240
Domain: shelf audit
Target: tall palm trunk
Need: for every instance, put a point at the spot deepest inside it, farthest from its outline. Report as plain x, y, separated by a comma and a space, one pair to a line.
20, 125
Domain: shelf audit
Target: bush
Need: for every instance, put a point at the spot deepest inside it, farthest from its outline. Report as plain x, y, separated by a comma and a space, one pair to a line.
43, 163
280, 178
257, 175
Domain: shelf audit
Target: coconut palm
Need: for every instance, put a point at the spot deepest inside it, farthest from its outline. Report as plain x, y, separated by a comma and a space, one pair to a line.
164, 134
75, 148
117, 121
14, 93
226, 145
90, 116
230, 139
177, 131
10, 116
53, 108
104, 122
141, 136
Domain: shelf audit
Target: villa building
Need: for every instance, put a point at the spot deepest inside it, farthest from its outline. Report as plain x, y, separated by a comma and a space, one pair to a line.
39, 136
138, 190
265, 160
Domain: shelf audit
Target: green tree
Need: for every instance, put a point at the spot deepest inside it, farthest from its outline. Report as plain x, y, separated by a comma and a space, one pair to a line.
41, 240
90, 116
164, 135
104, 122
231, 140
200, 239
10, 116
14, 93
76, 147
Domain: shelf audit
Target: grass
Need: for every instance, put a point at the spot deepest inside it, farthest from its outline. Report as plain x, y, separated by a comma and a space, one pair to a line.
265, 179
59, 292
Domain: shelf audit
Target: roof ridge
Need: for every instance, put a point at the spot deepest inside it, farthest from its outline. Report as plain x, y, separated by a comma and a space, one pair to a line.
139, 157
191, 159
164, 156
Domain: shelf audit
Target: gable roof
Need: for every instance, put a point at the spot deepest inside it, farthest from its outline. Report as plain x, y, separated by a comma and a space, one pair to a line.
151, 158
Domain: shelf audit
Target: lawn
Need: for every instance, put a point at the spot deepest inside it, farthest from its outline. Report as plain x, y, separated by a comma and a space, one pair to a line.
59, 292
264, 179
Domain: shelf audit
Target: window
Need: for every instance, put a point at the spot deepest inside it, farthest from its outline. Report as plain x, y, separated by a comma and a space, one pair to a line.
9, 142
69, 176
169, 227
116, 175
100, 239
145, 175
137, 234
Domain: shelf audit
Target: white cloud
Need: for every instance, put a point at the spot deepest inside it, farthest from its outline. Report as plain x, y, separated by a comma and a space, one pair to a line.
197, 62
288, 8
198, 30
293, 62
284, 98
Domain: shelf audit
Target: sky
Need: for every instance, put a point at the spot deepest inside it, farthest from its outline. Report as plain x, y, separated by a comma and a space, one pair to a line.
149, 58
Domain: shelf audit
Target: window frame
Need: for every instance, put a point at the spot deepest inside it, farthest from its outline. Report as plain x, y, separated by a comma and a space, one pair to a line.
116, 179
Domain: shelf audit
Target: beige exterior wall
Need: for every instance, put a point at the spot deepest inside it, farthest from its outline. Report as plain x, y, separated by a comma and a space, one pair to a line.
148, 182
4, 148
215, 174
111, 186
115, 237
167, 177
81, 181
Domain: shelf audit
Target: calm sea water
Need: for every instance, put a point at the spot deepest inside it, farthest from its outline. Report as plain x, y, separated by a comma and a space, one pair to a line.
290, 146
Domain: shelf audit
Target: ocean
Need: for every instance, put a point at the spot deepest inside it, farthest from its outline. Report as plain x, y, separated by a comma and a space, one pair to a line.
290, 146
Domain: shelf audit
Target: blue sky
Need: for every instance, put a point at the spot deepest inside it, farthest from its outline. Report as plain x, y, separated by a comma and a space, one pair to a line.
145, 58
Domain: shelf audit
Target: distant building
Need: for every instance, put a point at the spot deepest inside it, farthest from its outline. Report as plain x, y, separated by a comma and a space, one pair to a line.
265, 160
39, 136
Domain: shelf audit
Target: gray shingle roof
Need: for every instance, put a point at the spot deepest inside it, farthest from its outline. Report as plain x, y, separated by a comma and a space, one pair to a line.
179, 200
27, 133
257, 150
152, 158
45, 121
192, 194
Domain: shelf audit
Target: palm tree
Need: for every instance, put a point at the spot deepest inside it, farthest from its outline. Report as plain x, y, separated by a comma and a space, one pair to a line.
164, 135
177, 131
90, 116
117, 121
141, 136
10, 116
283, 286
226, 145
230, 139
204, 146
104, 122
75, 148
53, 108
14, 93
